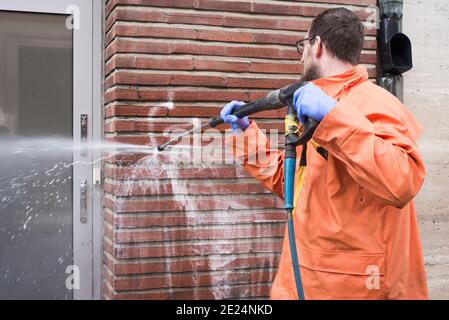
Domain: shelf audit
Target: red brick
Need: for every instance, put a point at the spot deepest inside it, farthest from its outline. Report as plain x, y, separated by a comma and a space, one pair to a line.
262, 67
255, 37
135, 111
117, 126
111, 19
167, 64
220, 65
314, 11
175, 219
214, 19
108, 293
161, 188
211, 19
224, 36
276, 9
194, 204
192, 280
228, 6
196, 265
122, 94
207, 293
110, 5
108, 247
145, 172
145, 126
195, 79
193, 95
259, 83
234, 6
197, 233
173, 249
189, 111
199, 48
262, 52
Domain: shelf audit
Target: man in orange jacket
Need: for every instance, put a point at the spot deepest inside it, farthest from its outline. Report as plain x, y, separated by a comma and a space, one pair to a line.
355, 221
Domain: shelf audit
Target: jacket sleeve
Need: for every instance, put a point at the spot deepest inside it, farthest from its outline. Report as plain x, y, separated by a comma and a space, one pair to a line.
379, 153
251, 148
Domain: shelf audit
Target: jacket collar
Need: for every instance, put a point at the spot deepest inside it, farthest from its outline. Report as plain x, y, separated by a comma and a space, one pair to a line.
338, 86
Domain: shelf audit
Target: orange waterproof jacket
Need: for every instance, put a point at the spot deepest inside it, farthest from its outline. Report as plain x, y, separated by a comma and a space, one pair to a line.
355, 222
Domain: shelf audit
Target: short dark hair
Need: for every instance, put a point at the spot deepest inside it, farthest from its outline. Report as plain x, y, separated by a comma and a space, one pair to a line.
341, 31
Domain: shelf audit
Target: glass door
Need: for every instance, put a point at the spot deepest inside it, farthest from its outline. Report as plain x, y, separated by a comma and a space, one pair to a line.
46, 100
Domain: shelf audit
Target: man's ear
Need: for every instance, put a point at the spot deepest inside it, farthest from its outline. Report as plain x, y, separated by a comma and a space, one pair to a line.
319, 49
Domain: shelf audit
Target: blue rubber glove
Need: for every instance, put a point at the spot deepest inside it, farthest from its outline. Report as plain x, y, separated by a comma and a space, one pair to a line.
237, 124
310, 101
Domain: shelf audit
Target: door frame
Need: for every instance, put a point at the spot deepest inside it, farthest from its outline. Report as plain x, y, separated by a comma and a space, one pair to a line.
87, 99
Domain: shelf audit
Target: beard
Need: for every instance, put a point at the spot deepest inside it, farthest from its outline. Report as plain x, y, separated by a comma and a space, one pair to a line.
313, 72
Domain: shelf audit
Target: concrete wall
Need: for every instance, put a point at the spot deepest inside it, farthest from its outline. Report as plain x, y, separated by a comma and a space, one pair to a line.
426, 93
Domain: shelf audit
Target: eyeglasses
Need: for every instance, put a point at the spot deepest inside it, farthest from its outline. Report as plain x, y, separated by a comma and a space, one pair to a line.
300, 44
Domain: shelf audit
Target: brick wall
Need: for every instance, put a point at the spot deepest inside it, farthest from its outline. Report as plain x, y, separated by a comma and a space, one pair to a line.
174, 231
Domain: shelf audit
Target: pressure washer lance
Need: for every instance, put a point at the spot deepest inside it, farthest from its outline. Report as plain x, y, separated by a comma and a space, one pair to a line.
276, 99
178, 138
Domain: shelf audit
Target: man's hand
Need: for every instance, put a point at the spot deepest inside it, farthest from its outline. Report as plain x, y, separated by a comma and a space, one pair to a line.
237, 124
310, 101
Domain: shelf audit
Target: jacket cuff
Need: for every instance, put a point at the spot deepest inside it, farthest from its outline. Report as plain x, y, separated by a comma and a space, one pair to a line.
246, 143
